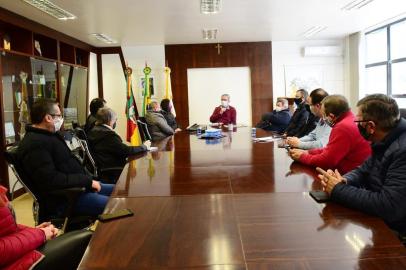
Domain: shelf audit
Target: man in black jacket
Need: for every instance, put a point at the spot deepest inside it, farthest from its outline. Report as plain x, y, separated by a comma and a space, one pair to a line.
277, 120
106, 145
95, 105
378, 186
47, 159
300, 116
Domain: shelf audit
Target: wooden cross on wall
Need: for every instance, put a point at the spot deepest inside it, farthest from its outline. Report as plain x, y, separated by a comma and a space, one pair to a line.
218, 47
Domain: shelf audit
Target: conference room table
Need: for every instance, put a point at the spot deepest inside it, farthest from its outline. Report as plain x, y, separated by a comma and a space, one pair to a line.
232, 203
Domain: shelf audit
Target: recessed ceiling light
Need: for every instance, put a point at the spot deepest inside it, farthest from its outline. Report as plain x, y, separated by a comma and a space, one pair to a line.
104, 38
210, 33
313, 30
51, 9
210, 6
357, 4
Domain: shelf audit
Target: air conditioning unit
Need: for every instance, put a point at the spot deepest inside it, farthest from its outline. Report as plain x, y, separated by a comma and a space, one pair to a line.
323, 51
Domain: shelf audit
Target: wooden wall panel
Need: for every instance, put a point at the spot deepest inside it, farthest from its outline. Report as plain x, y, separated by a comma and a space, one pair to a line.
256, 55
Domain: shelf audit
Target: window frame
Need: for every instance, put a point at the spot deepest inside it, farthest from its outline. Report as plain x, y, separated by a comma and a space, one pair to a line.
389, 61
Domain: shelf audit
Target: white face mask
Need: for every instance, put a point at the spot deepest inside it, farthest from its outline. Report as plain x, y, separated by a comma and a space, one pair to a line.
224, 103
278, 109
58, 123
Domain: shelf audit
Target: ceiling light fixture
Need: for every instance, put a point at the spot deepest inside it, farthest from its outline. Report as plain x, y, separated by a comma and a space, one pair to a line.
104, 38
210, 6
356, 4
51, 9
210, 33
314, 30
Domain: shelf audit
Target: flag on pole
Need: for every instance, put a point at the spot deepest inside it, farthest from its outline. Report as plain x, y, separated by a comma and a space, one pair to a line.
133, 135
168, 89
147, 94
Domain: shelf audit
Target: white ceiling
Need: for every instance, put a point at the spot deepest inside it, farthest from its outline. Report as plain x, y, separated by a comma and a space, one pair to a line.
146, 22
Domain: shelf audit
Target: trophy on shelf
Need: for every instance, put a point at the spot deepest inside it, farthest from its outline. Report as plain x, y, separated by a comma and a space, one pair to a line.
24, 117
37, 47
6, 42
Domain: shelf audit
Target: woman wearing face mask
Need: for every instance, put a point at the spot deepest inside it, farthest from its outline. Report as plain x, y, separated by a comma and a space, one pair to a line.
23, 247
166, 108
224, 114
107, 148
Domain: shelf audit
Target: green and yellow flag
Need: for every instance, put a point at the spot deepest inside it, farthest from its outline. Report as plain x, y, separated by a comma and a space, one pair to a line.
147, 94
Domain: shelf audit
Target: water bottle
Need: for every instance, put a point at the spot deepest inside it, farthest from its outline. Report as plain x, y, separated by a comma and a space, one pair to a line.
199, 131
253, 132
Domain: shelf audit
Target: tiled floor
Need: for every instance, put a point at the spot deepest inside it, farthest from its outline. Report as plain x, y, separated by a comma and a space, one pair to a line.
23, 209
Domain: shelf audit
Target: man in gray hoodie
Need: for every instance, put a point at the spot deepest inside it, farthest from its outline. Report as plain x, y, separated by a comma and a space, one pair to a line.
157, 125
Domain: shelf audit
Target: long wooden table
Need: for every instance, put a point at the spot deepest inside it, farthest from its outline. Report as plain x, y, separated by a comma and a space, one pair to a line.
233, 204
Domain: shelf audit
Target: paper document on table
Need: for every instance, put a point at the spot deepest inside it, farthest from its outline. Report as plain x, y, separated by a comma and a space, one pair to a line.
266, 139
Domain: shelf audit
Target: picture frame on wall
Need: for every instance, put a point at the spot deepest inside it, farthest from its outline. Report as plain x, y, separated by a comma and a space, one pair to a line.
142, 86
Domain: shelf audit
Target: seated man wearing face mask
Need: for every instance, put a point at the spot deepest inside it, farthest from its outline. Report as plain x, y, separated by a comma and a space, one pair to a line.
319, 137
300, 116
106, 145
157, 125
346, 148
224, 114
378, 186
277, 120
46, 158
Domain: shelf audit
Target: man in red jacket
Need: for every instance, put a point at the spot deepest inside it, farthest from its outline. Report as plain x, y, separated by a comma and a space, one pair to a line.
346, 148
224, 114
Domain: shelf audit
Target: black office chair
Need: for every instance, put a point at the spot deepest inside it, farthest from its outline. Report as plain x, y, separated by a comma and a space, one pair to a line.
42, 209
144, 132
76, 140
402, 113
106, 175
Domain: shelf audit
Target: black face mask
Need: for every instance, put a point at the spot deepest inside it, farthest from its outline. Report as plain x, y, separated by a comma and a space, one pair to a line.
363, 131
298, 101
114, 125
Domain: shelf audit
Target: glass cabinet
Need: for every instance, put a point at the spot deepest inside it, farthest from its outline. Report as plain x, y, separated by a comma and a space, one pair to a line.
24, 79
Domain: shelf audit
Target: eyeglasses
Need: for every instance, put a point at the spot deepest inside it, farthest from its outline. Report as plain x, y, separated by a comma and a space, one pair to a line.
361, 121
56, 115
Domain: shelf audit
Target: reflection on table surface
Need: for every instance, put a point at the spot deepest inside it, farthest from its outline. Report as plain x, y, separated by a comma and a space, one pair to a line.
233, 204
232, 231
187, 165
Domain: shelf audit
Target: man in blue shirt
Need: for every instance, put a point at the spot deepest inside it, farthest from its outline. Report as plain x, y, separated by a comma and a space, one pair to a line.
319, 137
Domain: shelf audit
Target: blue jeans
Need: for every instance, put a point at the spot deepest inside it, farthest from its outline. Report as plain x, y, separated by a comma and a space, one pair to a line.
93, 203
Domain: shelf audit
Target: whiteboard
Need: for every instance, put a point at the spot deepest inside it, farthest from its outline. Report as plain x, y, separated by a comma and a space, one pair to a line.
206, 85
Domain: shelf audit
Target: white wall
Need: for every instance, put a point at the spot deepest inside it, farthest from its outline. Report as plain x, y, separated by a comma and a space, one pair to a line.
114, 88
206, 85
93, 85
287, 56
